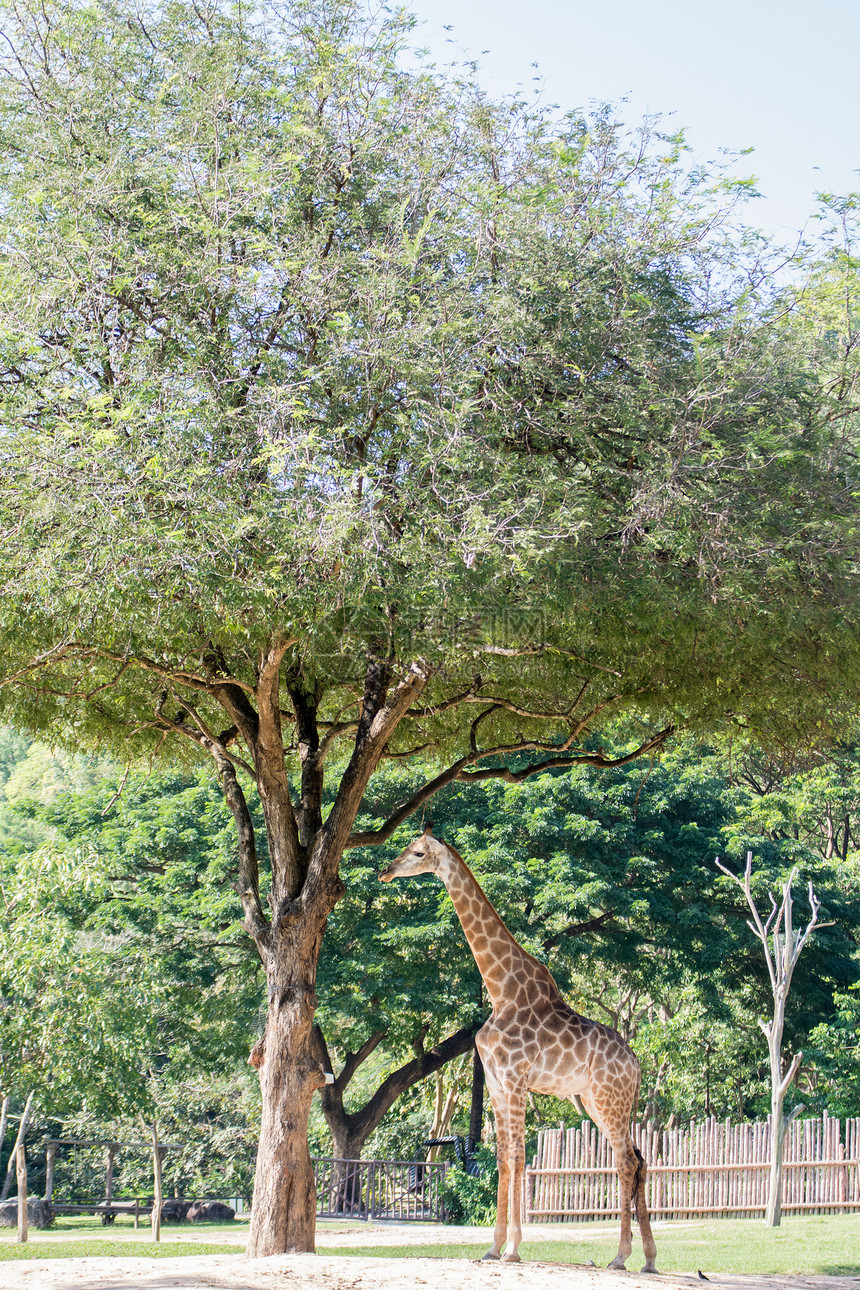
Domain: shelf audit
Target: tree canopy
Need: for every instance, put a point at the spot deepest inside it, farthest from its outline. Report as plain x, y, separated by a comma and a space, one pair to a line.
300, 346
346, 413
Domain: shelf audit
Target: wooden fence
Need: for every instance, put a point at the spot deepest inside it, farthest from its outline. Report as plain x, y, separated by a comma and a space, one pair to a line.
713, 1168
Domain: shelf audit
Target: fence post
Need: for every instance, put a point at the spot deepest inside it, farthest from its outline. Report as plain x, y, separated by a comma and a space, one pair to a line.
49, 1171
21, 1171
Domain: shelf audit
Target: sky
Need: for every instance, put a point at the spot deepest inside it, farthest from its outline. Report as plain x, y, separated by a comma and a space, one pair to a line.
781, 78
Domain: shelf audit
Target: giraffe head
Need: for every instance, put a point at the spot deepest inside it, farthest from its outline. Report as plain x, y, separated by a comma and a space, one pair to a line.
421, 856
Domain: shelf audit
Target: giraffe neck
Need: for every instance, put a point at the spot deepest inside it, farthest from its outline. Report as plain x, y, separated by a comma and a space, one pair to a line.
509, 972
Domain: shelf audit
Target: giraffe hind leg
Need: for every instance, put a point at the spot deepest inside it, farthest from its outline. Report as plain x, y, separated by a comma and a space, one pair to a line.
626, 1169
501, 1229
642, 1215
625, 1165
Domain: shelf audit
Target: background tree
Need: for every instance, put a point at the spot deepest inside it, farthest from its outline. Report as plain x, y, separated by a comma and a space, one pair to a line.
94, 1020
348, 413
120, 990
782, 945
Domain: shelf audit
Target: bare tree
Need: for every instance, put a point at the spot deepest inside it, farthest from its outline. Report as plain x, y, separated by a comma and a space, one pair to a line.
782, 946
22, 1133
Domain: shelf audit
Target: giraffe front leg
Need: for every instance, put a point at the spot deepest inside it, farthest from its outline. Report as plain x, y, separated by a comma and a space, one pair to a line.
516, 1165
501, 1229
499, 1098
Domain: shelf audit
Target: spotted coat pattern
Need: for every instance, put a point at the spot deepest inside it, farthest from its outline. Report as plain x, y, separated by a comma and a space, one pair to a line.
535, 1040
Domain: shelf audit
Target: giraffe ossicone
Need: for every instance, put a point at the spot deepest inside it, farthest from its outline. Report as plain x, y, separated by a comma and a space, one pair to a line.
535, 1041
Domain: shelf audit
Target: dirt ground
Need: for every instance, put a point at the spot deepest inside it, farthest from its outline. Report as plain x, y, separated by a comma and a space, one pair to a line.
328, 1271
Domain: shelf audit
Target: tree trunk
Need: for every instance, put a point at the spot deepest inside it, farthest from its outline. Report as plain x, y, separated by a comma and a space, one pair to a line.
350, 1130
283, 1214
773, 1212
445, 1104
773, 1031
110, 1157
156, 1176
304, 854
779, 1123
21, 1170
4, 1120
476, 1111
777, 932
346, 1174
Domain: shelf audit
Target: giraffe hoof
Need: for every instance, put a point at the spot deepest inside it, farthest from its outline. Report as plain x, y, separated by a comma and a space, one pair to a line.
511, 1258
490, 1257
617, 1264
649, 1267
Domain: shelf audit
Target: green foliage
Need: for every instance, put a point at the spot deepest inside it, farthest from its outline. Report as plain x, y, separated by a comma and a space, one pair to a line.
210, 1121
833, 1053
167, 849
13, 749
470, 1199
124, 980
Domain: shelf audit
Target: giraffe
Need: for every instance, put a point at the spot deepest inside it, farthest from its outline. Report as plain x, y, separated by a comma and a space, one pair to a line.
534, 1040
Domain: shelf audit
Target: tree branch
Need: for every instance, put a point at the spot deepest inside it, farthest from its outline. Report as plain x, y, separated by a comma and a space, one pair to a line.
379, 719
458, 770
181, 676
756, 926
353, 1061
208, 742
305, 704
256, 923
362, 1122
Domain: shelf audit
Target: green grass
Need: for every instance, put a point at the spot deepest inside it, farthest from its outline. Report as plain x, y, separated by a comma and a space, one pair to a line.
119, 1241
123, 1223
110, 1249
801, 1246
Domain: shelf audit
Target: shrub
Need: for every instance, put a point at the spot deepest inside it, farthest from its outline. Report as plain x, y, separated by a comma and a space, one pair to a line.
470, 1199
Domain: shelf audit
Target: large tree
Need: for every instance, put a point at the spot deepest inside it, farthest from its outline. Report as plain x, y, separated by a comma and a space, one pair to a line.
347, 413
